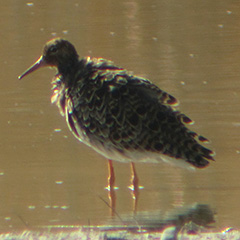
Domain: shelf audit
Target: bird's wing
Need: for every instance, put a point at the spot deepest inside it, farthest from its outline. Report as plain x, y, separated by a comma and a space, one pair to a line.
152, 91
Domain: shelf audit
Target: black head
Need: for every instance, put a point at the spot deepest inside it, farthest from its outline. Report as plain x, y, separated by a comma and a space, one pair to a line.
59, 51
56, 53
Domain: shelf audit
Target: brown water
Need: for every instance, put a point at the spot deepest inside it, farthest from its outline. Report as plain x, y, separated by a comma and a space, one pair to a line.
188, 48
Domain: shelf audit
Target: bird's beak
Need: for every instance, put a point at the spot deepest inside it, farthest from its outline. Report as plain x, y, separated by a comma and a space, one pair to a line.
38, 64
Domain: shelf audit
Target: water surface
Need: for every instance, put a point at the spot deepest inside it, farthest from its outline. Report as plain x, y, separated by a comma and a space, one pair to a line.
190, 50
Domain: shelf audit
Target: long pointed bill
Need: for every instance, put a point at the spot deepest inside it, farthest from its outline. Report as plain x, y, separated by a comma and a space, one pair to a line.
38, 64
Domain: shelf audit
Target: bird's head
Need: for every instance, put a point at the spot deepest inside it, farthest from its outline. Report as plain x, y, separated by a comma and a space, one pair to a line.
56, 53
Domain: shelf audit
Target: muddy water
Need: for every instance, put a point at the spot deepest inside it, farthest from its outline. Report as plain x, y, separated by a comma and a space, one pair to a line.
191, 50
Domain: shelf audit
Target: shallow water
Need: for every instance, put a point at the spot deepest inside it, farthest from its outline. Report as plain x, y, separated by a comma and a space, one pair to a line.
190, 50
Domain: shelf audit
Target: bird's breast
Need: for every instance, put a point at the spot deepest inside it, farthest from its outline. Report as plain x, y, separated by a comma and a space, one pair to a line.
58, 96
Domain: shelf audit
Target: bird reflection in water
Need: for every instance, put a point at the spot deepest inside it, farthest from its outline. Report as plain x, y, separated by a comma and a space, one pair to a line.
191, 220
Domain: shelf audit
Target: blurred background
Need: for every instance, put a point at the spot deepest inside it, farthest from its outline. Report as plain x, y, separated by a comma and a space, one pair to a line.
188, 48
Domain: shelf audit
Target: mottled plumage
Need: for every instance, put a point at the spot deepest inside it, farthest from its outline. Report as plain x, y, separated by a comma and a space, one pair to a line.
122, 116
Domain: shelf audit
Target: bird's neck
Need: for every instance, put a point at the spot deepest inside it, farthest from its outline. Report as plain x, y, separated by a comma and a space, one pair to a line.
68, 67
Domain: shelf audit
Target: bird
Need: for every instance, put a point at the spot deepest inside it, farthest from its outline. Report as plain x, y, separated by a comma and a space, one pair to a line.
122, 116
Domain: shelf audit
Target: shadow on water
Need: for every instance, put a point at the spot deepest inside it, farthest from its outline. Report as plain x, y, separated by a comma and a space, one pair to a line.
190, 219
195, 220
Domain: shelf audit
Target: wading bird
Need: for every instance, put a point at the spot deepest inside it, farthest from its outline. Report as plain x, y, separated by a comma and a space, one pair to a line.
123, 117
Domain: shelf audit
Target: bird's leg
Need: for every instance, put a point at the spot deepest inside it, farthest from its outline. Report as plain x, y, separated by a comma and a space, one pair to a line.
134, 186
111, 175
134, 181
111, 188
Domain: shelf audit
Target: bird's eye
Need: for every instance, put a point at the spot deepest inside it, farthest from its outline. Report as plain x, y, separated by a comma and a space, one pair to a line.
53, 49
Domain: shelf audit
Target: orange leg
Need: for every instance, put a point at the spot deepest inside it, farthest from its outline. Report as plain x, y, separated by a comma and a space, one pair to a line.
134, 186
111, 188
111, 175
